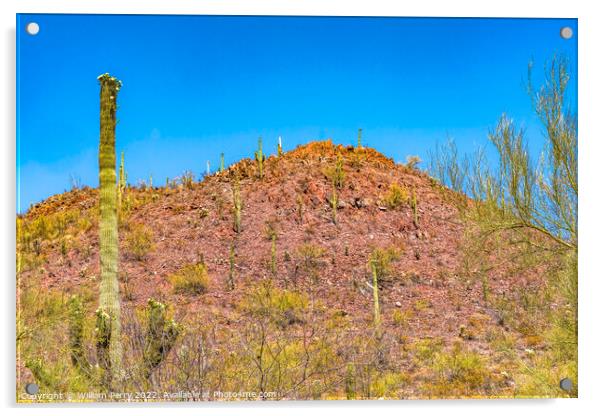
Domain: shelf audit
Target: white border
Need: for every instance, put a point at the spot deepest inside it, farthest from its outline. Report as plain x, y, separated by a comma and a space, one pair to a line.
590, 203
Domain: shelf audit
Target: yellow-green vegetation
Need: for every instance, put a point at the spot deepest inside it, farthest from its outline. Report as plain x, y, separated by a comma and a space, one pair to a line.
334, 202
191, 279
525, 211
335, 173
36, 237
161, 334
396, 196
382, 259
401, 318
311, 257
187, 179
413, 161
109, 312
460, 373
139, 240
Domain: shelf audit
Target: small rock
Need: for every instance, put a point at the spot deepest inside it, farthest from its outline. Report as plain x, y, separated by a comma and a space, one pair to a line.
398, 304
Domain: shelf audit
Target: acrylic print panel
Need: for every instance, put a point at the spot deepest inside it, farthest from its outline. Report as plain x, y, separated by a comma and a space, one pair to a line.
293, 208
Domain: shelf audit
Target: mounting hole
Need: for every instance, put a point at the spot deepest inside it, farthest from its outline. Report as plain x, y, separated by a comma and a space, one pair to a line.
32, 28
566, 32
566, 384
32, 388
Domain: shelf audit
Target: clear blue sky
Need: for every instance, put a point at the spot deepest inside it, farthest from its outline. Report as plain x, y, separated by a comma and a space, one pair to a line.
196, 86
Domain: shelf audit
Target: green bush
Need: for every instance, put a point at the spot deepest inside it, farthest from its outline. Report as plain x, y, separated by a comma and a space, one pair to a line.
139, 241
191, 279
396, 196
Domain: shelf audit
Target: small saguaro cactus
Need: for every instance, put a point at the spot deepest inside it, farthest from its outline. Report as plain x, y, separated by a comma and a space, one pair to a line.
76, 333
280, 146
373, 269
103, 343
334, 202
237, 205
208, 170
109, 313
300, 208
260, 157
359, 138
221, 163
161, 336
338, 174
414, 204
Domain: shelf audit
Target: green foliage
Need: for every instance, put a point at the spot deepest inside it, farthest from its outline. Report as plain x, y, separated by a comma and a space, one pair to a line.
109, 240
336, 174
191, 279
139, 241
381, 260
396, 196
103, 343
76, 333
350, 382
525, 208
334, 203
460, 373
41, 374
160, 337
282, 307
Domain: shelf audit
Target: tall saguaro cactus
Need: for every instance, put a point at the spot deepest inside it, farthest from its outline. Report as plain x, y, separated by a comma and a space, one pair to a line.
109, 307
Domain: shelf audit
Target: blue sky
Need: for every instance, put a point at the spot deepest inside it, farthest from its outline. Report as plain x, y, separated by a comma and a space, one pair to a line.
196, 86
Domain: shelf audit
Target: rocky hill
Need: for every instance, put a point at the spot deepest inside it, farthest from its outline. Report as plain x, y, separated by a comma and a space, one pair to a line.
310, 225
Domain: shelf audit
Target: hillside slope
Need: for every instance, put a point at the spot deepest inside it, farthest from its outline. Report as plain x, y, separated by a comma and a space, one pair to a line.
290, 238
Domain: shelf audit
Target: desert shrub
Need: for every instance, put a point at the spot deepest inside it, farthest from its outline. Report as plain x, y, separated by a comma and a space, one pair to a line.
425, 350
412, 161
311, 257
460, 373
191, 279
139, 241
402, 318
387, 385
187, 179
396, 196
283, 307
524, 206
383, 258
